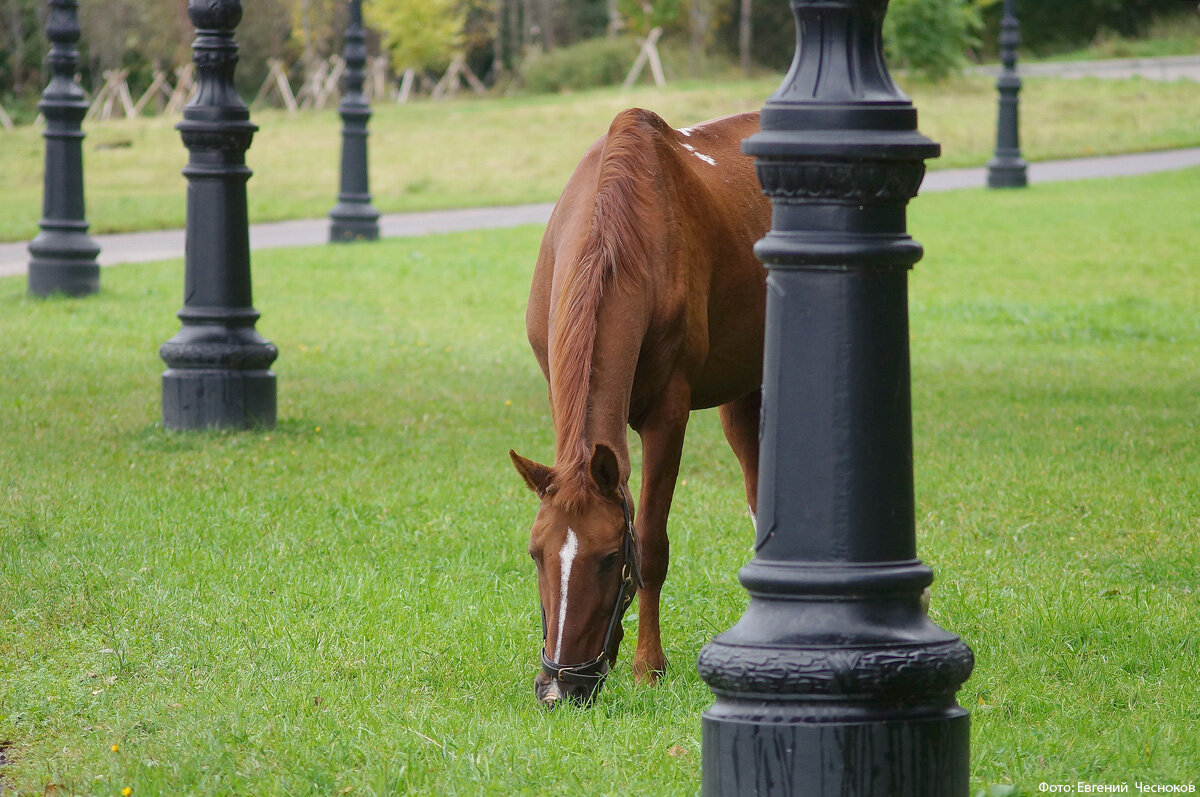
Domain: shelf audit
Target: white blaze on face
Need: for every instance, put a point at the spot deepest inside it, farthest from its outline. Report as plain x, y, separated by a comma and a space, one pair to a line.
566, 559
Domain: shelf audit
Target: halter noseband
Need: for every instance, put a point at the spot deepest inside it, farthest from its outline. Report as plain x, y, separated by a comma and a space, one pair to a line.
591, 673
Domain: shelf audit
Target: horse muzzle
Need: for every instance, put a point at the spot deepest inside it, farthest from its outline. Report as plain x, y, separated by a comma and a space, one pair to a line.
582, 682
579, 683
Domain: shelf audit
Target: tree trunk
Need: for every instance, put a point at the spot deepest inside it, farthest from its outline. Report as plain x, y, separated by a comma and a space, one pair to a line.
744, 37
16, 34
614, 19
527, 24
498, 43
546, 23
307, 57
698, 23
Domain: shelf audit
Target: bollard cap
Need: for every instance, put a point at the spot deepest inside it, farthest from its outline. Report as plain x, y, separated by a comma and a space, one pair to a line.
215, 14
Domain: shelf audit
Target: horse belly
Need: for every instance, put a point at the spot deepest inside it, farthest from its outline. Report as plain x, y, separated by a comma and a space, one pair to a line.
733, 367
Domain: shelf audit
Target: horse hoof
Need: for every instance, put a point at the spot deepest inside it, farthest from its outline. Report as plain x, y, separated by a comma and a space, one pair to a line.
648, 674
925, 600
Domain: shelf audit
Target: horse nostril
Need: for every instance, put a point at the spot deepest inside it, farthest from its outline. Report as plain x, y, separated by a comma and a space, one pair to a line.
551, 696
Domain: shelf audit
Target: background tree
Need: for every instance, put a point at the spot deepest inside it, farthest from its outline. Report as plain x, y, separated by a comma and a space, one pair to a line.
317, 26
645, 15
418, 33
931, 36
20, 46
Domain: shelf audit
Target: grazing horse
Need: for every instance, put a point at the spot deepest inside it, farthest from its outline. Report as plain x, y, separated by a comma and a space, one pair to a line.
647, 302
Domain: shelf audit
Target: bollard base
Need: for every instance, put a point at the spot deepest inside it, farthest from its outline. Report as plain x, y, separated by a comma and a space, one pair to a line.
68, 279
1007, 173
63, 263
349, 222
218, 399
756, 749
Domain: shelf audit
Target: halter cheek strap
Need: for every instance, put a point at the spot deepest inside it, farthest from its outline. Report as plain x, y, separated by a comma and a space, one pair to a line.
591, 673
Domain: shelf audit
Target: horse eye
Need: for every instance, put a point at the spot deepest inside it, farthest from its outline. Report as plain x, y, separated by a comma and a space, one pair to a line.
607, 562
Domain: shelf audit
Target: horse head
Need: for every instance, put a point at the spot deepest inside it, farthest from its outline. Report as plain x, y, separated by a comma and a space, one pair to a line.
583, 544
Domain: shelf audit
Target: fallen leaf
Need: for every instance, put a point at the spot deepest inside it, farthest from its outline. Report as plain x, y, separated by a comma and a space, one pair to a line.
676, 751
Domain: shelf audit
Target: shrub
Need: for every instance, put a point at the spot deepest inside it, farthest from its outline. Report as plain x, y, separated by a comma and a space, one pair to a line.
595, 62
930, 36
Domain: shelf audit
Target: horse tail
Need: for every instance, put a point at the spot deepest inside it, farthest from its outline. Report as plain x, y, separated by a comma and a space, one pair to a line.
615, 252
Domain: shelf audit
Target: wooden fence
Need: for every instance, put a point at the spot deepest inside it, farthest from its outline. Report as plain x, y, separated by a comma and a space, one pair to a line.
169, 92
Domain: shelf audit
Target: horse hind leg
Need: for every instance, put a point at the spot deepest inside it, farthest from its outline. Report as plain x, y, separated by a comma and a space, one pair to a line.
662, 436
739, 419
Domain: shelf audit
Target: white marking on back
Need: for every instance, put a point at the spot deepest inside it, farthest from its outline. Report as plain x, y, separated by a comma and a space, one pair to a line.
700, 155
566, 559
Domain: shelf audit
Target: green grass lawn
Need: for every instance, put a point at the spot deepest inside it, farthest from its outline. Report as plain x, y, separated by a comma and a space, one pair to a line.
1177, 34
513, 150
344, 604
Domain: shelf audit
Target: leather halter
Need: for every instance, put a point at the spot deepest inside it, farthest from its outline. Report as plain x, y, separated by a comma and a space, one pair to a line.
592, 673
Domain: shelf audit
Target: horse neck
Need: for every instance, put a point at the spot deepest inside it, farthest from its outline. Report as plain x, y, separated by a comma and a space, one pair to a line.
616, 342
600, 314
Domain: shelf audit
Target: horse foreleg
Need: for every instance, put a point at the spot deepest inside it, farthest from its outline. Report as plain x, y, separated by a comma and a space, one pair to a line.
662, 444
739, 419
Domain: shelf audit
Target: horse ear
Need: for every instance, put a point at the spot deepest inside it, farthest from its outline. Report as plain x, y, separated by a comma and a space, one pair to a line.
536, 475
606, 472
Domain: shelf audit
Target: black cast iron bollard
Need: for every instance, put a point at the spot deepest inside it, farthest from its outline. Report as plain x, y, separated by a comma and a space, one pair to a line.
64, 255
835, 682
353, 218
1007, 169
218, 364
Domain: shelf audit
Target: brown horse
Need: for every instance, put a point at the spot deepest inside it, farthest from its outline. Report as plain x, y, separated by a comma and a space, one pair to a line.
647, 303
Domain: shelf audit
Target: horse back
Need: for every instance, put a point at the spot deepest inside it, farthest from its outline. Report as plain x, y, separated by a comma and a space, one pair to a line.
702, 290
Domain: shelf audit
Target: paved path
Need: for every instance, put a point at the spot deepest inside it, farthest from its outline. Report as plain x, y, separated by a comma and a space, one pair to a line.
140, 247
1178, 67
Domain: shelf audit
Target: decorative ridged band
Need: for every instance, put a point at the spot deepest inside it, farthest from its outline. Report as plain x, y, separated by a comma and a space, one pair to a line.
795, 673
219, 354
865, 182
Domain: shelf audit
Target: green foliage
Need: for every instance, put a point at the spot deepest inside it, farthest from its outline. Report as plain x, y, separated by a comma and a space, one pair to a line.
1065, 24
594, 62
1177, 34
19, 48
317, 24
418, 33
645, 15
930, 36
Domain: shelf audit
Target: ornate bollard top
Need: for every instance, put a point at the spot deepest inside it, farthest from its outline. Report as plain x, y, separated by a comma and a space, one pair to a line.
839, 82
839, 130
1010, 36
63, 94
216, 118
215, 14
62, 24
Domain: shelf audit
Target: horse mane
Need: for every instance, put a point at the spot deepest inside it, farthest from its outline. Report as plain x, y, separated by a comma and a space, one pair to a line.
615, 252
